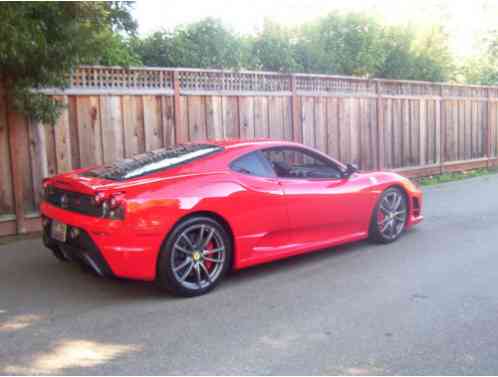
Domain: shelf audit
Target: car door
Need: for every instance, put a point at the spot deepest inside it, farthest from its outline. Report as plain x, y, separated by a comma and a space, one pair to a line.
323, 205
262, 211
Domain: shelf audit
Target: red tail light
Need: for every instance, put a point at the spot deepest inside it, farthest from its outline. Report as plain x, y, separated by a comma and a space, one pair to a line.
113, 205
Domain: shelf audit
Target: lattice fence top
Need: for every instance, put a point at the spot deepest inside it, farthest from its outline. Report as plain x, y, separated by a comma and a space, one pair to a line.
191, 81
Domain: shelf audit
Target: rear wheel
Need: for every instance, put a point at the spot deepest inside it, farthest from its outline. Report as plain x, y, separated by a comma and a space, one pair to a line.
389, 217
195, 257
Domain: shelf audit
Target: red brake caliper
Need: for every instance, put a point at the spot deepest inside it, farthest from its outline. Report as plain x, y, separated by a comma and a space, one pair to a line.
380, 218
208, 263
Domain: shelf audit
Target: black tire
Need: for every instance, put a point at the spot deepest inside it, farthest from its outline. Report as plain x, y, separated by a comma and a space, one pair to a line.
388, 222
59, 254
186, 267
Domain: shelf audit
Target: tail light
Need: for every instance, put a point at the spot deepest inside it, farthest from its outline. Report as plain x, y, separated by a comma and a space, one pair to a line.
113, 205
47, 190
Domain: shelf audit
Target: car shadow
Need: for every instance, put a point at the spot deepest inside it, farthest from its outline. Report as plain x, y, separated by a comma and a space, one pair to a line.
36, 270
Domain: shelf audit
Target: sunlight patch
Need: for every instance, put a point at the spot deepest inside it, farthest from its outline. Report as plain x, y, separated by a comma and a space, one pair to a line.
19, 322
73, 354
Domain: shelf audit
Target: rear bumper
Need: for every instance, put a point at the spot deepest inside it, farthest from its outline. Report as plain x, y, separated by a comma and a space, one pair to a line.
81, 249
112, 246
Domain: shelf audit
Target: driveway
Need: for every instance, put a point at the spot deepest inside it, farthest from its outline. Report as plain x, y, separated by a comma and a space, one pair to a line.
427, 304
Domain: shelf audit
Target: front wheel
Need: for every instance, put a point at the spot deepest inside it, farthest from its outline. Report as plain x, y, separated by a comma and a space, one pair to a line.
195, 257
389, 216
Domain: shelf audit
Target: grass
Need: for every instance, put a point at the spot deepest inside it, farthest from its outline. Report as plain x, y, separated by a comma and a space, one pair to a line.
456, 176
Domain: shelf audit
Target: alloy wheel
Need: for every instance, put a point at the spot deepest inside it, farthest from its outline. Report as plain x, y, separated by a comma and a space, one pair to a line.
392, 214
198, 256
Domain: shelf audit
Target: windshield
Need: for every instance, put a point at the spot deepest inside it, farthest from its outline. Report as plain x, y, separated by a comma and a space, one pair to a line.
154, 161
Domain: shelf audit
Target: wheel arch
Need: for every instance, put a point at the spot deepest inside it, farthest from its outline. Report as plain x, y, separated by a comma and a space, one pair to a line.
213, 215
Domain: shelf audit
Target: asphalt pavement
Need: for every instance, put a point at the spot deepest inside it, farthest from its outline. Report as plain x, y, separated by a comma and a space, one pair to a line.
427, 304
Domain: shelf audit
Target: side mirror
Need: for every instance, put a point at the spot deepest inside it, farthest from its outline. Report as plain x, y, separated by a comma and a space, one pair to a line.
350, 170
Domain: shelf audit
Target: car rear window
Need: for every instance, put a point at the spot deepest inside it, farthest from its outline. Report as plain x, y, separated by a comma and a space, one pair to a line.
154, 161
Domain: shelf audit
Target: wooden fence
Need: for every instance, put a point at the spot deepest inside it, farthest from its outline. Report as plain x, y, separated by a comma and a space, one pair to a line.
417, 128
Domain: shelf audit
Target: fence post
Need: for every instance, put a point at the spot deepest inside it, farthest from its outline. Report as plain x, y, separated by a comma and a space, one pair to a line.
488, 128
442, 131
380, 126
179, 132
13, 130
297, 136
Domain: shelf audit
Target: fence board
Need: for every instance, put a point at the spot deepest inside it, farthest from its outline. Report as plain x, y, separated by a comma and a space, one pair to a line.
38, 157
308, 115
133, 125
62, 139
197, 118
432, 139
89, 131
387, 133
112, 128
275, 116
320, 125
21, 167
152, 122
287, 118
355, 128
214, 117
230, 117
261, 127
345, 129
168, 120
73, 132
397, 129
6, 193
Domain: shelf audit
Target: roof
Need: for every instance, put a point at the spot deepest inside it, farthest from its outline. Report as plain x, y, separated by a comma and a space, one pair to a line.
237, 143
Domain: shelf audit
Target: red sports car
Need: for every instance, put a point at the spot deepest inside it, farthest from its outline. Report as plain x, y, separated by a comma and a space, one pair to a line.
187, 214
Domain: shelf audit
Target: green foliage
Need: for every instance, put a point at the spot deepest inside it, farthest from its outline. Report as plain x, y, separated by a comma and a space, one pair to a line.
345, 44
204, 44
483, 69
348, 44
359, 45
456, 176
41, 42
273, 49
115, 49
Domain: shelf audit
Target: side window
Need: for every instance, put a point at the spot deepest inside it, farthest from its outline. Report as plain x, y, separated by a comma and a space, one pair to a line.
252, 164
299, 163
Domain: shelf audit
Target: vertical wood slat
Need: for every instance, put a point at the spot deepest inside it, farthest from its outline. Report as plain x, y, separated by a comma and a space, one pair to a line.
308, 116
89, 130
38, 157
133, 125
152, 122
380, 127
112, 128
261, 127
6, 184
296, 112
332, 123
214, 118
230, 114
62, 136
73, 132
17, 132
197, 118
488, 127
276, 129
320, 124
168, 120
180, 132
246, 117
